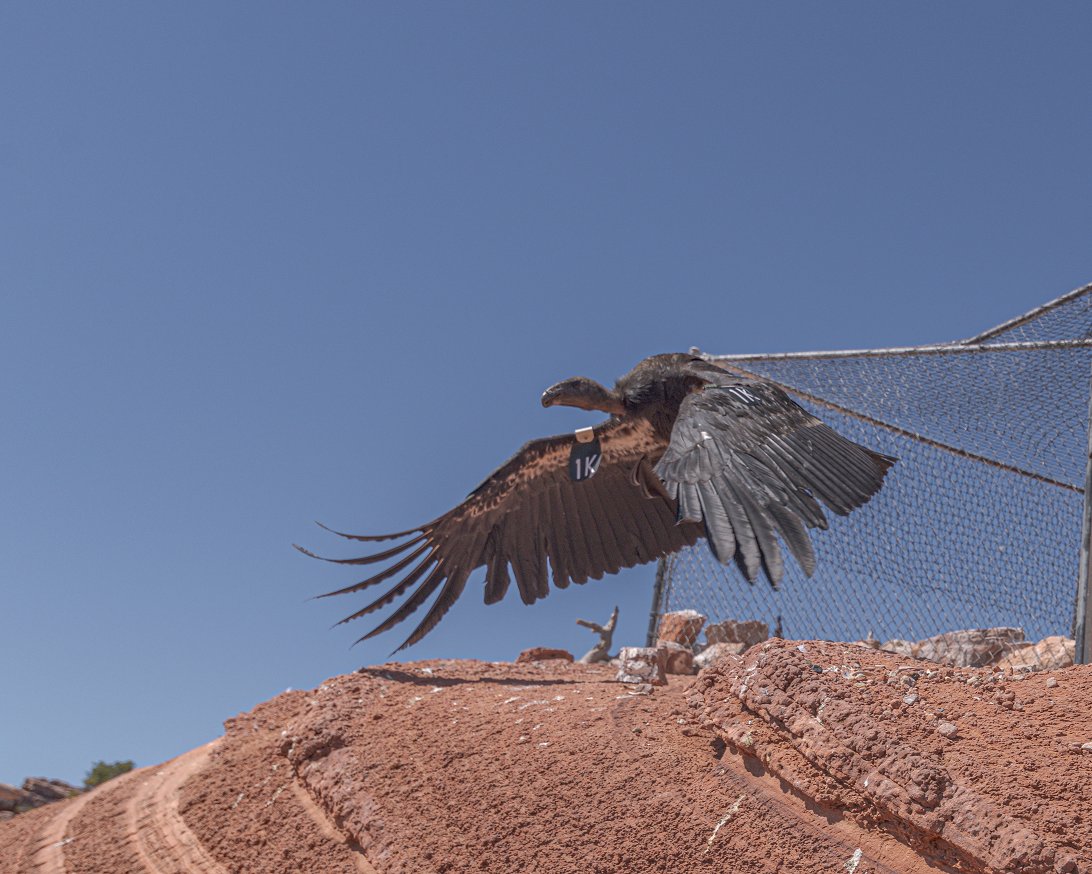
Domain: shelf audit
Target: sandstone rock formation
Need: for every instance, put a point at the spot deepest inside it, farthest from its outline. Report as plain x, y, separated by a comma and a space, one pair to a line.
678, 658
972, 647
36, 791
642, 664
1049, 654
743, 635
797, 757
979, 647
543, 653
906, 748
677, 636
717, 651
680, 626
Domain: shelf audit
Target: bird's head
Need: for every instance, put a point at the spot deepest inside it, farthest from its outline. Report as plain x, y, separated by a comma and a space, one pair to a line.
587, 394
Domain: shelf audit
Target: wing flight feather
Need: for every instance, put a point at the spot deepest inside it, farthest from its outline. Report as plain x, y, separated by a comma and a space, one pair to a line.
750, 464
530, 521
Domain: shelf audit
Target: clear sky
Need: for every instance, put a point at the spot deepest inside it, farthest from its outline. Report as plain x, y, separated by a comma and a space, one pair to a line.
266, 263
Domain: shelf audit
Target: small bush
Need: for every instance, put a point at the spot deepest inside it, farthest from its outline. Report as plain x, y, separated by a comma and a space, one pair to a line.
102, 771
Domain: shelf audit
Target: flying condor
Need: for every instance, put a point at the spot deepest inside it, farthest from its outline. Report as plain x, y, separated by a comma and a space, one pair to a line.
689, 451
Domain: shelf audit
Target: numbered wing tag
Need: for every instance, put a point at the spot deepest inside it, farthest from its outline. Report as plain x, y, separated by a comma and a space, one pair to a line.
742, 393
585, 455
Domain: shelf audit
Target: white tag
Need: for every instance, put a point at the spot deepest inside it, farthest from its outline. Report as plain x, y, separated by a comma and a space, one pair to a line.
585, 435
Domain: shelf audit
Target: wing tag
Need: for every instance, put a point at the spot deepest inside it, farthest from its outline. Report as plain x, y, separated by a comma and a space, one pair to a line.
585, 455
744, 394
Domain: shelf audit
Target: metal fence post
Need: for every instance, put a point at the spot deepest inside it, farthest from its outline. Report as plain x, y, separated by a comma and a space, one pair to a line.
1082, 613
657, 595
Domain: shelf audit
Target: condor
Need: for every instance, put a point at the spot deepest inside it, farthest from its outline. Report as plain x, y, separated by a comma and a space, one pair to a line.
689, 451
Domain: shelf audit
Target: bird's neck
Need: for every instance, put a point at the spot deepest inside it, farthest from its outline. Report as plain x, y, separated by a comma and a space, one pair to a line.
593, 396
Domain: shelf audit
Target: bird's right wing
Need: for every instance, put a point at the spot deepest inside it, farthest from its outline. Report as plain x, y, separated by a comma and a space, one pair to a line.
527, 515
748, 463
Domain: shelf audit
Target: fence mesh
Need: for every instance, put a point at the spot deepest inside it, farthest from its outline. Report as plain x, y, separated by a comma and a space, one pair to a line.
979, 523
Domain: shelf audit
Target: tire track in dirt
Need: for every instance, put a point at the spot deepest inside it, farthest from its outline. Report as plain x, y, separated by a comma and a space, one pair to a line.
130, 824
158, 835
47, 855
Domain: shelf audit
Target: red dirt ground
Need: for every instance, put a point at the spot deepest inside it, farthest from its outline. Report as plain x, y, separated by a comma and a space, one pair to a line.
797, 757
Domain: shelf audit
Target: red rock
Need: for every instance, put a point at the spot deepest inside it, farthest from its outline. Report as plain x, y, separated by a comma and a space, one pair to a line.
717, 651
841, 734
678, 659
971, 647
542, 654
1049, 654
45, 790
642, 664
900, 647
749, 633
680, 626
10, 797
512, 762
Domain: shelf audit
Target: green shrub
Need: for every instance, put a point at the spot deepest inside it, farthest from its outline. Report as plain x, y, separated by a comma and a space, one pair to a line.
102, 771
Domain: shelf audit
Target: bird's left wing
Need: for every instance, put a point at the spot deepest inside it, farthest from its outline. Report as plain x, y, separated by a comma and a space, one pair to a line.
747, 462
529, 514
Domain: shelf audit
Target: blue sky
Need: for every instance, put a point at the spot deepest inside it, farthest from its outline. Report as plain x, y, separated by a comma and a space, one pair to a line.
269, 263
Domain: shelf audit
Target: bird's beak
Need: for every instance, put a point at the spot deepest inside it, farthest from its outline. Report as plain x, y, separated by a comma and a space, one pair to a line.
549, 395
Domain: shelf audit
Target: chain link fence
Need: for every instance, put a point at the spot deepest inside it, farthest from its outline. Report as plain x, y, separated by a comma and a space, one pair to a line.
979, 525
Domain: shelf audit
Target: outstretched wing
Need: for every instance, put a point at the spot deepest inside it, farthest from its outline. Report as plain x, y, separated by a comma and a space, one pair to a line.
529, 514
749, 463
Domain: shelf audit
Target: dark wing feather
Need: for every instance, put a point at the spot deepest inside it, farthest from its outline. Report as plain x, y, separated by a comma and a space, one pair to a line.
530, 520
749, 463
